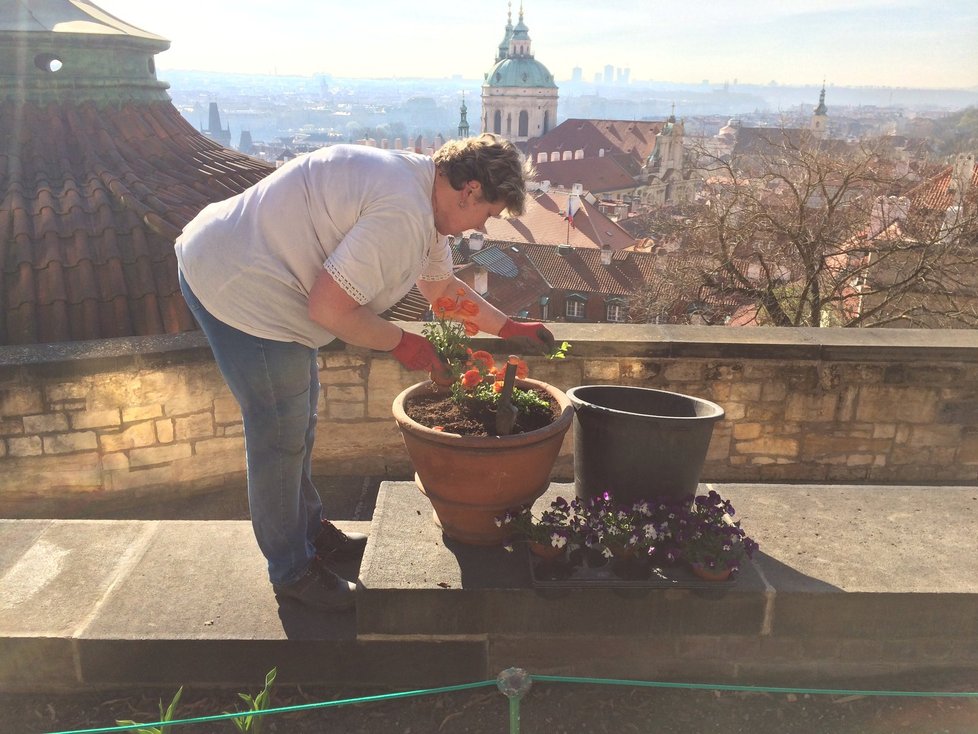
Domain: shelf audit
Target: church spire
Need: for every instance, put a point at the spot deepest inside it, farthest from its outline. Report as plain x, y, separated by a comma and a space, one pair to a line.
820, 117
822, 109
463, 123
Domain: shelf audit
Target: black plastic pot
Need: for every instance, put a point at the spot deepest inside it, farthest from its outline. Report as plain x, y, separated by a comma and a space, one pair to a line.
638, 443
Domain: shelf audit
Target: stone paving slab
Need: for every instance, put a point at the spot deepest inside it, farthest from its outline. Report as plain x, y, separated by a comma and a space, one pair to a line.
871, 561
873, 578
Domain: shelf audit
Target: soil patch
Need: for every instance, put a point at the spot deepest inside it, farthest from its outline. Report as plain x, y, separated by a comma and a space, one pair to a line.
474, 417
547, 707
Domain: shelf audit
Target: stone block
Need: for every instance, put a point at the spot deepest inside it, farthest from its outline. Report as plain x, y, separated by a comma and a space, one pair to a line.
347, 360
46, 423
116, 461
816, 446
233, 446
95, 419
155, 455
346, 394
745, 392
11, 426
639, 370
383, 386
25, 446
811, 408
342, 376
746, 431
199, 425
137, 435
18, 401
226, 410
164, 430
141, 413
897, 404
683, 371
336, 410
964, 412
54, 473
935, 435
68, 443
187, 404
768, 446
774, 391
65, 391
602, 370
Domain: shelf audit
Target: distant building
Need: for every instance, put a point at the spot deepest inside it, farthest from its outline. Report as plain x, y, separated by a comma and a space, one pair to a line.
463, 123
820, 117
214, 130
519, 95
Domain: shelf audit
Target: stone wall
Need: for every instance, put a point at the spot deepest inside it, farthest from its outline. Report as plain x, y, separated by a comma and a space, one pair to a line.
119, 419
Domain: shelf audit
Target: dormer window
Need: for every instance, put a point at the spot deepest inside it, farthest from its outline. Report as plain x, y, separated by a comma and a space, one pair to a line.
575, 307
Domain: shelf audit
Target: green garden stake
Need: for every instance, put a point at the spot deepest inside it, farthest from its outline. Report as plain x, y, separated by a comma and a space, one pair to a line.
514, 683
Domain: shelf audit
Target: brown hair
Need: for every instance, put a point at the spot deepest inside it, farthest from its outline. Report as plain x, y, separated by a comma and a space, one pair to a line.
491, 160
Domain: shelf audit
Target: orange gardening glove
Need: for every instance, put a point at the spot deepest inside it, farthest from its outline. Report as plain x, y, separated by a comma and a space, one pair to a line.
529, 335
416, 353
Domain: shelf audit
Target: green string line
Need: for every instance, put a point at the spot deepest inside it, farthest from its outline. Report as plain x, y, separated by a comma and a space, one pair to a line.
284, 709
752, 689
538, 678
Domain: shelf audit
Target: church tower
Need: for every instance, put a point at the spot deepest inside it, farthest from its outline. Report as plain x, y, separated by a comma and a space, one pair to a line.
820, 118
463, 123
519, 96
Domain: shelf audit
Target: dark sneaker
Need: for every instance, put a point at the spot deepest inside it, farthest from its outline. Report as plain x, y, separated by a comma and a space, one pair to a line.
319, 588
333, 544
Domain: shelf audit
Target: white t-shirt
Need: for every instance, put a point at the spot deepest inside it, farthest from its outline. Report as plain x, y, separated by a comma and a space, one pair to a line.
361, 213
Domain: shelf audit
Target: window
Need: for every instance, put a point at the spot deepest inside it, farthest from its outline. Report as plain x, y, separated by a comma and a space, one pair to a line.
575, 308
497, 122
615, 313
524, 124
546, 121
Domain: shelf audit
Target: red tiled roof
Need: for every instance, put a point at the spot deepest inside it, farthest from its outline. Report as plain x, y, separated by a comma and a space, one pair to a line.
544, 222
634, 137
578, 268
937, 193
596, 175
93, 199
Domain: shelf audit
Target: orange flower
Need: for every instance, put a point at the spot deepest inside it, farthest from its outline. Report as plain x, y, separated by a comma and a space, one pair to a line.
469, 308
461, 291
471, 329
483, 356
444, 305
497, 386
470, 379
522, 369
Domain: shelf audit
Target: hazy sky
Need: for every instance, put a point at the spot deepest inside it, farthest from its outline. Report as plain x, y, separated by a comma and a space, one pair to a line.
917, 43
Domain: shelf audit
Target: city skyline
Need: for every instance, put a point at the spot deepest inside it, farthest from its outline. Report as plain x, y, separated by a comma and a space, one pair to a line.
888, 43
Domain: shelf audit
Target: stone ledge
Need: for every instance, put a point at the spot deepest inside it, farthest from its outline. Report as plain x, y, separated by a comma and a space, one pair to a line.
850, 581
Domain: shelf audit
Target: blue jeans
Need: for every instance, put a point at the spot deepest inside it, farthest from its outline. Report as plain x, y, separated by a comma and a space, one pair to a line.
276, 385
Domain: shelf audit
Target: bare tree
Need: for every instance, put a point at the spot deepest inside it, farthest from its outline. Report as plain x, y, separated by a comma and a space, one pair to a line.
796, 231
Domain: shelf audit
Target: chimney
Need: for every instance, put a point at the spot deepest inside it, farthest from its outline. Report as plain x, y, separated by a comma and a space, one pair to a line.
476, 241
605, 255
480, 281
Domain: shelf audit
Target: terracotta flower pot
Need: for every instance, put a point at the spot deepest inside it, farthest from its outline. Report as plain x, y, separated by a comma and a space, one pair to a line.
471, 480
545, 550
710, 574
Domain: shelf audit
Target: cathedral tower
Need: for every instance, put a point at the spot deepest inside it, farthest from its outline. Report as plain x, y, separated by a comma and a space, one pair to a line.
519, 96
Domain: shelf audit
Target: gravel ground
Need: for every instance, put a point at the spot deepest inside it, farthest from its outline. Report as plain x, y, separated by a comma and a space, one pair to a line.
554, 708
